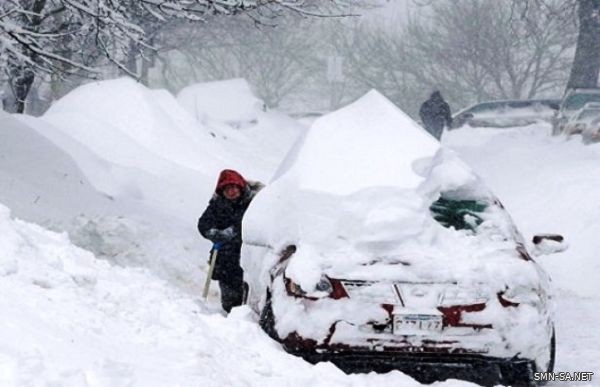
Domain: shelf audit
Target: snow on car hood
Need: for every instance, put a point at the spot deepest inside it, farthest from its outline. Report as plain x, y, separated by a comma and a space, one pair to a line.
354, 195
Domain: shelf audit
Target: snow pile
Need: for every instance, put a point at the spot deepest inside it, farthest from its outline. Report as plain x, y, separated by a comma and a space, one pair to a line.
39, 181
77, 321
50, 189
128, 124
360, 146
240, 124
136, 143
230, 101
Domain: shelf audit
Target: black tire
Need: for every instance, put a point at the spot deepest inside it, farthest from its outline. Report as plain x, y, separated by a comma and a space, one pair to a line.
552, 351
267, 320
550, 363
521, 375
246, 291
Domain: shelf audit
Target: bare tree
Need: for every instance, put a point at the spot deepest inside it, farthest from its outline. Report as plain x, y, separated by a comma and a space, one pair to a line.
374, 57
33, 32
486, 51
586, 63
276, 60
471, 50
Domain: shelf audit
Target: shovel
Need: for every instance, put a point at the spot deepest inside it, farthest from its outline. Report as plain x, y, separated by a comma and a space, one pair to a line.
211, 268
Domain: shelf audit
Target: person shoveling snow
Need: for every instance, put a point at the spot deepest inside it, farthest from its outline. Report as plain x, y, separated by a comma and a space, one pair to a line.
221, 223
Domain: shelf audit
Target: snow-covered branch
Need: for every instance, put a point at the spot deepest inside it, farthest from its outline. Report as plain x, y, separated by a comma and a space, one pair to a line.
82, 36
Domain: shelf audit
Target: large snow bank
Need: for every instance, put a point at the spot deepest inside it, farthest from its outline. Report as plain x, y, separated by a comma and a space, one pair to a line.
229, 101
131, 141
39, 181
121, 120
42, 183
255, 140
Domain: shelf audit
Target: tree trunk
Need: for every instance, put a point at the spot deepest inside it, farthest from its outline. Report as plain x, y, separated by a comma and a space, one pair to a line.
131, 63
21, 78
586, 64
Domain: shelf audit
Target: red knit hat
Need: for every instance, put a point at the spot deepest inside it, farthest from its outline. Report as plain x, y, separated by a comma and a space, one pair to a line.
230, 177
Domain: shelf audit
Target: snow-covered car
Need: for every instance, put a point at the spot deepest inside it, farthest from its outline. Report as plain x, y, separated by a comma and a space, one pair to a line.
376, 249
570, 105
584, 118
506, 113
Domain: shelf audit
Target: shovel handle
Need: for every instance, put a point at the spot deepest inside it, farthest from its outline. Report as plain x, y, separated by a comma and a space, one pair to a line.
211, 268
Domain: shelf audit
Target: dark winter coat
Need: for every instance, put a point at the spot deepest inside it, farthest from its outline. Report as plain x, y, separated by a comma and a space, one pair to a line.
221, 214
435, 113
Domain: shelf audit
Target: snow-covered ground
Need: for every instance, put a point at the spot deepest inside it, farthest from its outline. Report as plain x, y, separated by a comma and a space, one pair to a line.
126, 172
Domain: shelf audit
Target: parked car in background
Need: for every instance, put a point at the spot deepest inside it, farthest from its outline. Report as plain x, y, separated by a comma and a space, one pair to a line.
506, 113
572, 102
582, 119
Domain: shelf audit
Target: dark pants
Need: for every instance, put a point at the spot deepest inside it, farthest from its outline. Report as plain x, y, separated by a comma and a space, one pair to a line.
232, 292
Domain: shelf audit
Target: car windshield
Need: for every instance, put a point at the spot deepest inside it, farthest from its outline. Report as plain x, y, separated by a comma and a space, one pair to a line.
577, 101
488, 106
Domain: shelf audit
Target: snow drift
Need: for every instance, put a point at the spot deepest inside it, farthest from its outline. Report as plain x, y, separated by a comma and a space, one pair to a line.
120, 120
230, 101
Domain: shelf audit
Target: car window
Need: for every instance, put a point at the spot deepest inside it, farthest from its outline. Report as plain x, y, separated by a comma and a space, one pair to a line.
485, 107
519, 104
458, 213
576, 101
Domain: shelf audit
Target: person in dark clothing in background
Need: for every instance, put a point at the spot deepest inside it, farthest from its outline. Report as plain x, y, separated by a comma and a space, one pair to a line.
221, 223
435, 113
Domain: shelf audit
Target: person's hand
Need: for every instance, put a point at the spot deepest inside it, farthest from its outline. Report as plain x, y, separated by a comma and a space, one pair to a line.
228, 233
224, 235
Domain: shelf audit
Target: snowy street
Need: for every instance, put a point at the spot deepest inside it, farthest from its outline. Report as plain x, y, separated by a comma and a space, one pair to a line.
127, 311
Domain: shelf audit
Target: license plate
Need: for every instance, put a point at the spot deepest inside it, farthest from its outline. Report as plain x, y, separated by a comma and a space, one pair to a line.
417, 324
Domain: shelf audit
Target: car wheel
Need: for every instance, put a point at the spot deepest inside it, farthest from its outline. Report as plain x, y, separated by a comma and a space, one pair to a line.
520, 374
267, 319
552, 351
245, 293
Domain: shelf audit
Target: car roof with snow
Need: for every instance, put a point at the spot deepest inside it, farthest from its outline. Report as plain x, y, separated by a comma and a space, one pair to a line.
510, 104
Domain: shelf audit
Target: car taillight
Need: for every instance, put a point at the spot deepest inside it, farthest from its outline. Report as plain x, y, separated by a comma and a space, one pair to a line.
323, 288
512, 297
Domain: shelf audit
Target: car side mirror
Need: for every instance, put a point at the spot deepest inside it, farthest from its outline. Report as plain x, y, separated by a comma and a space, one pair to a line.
546, 244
